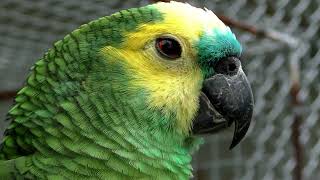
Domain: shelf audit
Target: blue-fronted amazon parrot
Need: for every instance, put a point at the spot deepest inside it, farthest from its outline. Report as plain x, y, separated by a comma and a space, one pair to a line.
128, 96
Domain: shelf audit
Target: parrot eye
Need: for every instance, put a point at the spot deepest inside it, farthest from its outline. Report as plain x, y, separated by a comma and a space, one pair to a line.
168, 47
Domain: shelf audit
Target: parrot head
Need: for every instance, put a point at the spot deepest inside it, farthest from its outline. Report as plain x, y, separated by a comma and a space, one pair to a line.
184, 65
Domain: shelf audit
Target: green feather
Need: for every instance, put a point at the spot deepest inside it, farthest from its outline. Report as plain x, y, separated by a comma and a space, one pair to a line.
214, 46
78, 118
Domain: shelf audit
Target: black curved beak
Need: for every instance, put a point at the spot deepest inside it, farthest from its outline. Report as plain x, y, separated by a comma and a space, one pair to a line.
225, 98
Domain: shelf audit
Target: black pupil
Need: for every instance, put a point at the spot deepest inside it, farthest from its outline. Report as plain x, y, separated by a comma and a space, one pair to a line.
168, 47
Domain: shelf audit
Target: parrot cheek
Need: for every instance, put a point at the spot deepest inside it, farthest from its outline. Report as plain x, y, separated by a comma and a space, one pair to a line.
226, 97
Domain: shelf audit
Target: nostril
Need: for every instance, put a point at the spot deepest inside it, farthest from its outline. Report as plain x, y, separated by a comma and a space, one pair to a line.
228, 66
232, 67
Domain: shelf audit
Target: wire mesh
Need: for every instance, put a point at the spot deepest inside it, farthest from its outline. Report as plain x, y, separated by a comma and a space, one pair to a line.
28, 28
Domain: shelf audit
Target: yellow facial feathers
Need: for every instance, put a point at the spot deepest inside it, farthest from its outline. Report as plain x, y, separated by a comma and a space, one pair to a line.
173, 86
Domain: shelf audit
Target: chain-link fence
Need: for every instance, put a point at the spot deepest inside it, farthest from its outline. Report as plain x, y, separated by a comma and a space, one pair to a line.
273, 145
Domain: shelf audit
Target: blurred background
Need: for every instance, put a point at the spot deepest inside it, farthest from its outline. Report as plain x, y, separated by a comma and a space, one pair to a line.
281, 59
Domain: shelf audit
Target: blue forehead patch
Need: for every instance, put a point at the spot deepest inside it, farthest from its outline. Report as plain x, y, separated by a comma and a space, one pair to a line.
214, 46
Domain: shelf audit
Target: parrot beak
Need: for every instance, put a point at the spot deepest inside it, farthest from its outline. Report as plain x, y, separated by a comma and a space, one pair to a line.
226, 97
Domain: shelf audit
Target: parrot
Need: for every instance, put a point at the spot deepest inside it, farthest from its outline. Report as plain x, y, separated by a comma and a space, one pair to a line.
128, 96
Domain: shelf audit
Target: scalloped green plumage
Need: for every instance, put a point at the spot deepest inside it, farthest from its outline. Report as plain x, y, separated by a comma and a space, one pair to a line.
79, 115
